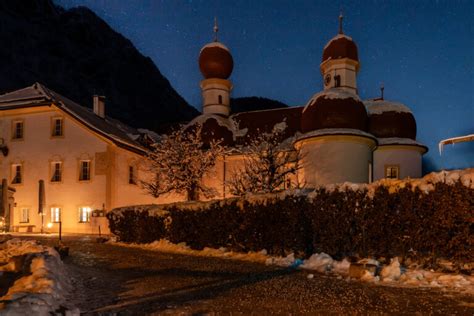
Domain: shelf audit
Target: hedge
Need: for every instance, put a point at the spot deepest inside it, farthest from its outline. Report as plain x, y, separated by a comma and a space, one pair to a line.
410, 223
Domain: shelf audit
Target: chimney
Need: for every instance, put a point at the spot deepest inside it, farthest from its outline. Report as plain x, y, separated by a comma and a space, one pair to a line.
99, 105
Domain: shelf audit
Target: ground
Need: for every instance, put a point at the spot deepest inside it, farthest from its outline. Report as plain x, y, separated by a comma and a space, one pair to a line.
108, 278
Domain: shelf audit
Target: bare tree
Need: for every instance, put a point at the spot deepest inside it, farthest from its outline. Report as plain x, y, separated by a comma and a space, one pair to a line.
268, 164
178, 162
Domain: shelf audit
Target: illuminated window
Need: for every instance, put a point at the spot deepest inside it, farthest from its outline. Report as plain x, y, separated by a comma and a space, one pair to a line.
55, 214
84, 214
57, 127
17, 132
131, 175
17, 172
392, 172
24, 215
57, 171
84, 170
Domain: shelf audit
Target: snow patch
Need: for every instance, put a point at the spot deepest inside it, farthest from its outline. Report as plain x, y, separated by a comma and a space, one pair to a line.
333, 93
382, 106
335, 38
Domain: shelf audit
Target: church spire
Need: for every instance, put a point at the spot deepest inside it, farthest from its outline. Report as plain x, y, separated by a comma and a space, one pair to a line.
216, 29
341, 17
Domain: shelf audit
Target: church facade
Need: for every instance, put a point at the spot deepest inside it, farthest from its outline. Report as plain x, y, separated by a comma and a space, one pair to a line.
90, 163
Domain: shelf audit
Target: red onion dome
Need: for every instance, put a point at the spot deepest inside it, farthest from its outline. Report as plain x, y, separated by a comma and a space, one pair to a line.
215, 61
334, 108
340, 46
390, 119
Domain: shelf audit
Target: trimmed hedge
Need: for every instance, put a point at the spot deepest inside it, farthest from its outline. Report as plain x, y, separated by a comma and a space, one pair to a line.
408, 223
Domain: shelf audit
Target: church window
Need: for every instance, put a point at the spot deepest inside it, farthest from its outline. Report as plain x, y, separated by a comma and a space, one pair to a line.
337, 81
55, 214
18, 130
84, 214
84, 170
131, 175
17, 172
220, 99
57, 171
24, 215
57, 127
392, 172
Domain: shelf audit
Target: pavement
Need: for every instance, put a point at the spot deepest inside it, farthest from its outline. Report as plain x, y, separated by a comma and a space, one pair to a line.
110, 279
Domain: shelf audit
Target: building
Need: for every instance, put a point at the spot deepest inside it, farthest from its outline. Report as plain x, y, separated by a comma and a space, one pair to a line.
90, 163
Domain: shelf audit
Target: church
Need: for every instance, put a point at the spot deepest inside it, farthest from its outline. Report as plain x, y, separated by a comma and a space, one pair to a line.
64, 164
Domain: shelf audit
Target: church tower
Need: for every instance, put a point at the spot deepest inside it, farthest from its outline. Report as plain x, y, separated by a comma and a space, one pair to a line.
216, 64
340, 62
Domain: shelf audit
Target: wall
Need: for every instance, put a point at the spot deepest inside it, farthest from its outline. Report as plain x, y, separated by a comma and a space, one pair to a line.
408, 158
335, 159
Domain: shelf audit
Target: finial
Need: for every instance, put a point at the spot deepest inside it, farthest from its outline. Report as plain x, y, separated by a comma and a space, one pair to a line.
216, 29
381, 90
341, 17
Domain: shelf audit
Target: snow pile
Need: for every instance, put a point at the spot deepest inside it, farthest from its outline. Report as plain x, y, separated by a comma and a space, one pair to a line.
43, 284
391, 272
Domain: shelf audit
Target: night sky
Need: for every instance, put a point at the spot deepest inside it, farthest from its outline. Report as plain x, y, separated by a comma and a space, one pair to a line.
421, 50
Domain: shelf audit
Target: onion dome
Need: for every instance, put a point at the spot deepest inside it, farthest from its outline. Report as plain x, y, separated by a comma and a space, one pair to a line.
340, 46
215, 61
390, 119
214, 128
334, 108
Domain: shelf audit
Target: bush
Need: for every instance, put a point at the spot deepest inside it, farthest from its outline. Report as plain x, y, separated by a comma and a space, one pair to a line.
408, 222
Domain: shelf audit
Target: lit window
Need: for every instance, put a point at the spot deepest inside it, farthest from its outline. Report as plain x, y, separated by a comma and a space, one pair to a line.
84, 170
17, 174
131, 175
392, 172
55, 214
84, 214
17, 130
24, 215
57, 127
57, 171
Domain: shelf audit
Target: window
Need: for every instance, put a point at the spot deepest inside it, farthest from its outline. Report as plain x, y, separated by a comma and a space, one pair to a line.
392, 172
55, 214
220, 99
337, 80
17, 174
24, 215
84, 170
17, 132
84, 214
131, 175
57, 171
57, 127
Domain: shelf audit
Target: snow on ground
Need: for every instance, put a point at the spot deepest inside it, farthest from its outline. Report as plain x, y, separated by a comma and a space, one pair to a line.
392, 274
42, 286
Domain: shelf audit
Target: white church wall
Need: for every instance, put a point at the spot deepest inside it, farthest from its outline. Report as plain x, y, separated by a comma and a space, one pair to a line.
407, 158
335, 159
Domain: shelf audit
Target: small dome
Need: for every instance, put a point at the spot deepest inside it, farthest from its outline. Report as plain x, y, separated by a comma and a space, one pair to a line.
214, 128
340, 46
334, 108
390, 119
215, 61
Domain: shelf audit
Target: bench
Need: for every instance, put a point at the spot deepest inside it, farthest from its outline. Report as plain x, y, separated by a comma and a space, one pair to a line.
27, 228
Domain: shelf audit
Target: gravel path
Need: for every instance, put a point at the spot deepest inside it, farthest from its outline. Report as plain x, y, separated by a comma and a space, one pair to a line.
110, 279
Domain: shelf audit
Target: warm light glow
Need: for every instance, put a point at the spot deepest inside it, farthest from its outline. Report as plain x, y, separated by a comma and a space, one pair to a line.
49, 225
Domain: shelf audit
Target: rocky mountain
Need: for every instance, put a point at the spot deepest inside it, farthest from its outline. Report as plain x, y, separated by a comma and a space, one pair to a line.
76, 53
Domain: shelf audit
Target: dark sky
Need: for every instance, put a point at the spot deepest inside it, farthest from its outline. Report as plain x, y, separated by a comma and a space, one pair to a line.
421, 50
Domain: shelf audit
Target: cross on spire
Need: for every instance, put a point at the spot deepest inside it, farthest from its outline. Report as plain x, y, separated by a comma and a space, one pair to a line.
341, 17
216, 29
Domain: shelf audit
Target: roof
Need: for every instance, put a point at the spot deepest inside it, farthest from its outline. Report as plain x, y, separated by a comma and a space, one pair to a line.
39, 95
340, 46
454, 140
379, 106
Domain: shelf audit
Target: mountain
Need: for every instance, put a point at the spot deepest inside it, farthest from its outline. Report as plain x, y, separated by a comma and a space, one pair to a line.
77, 54
253, 104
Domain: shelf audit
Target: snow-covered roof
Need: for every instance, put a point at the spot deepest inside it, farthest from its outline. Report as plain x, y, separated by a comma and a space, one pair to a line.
453, 140
399, 141
38, 95
333, 93
215, 44
338, 36
381, 106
